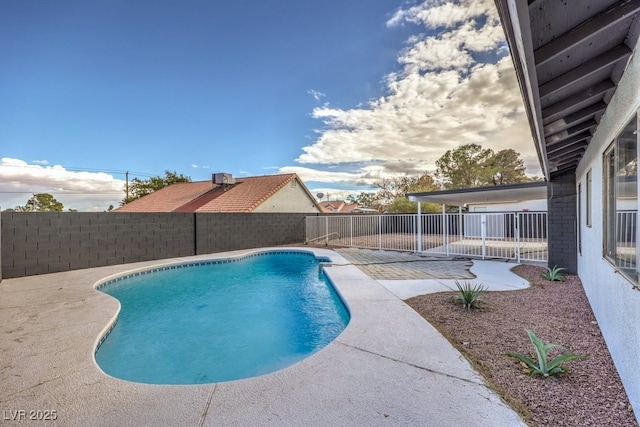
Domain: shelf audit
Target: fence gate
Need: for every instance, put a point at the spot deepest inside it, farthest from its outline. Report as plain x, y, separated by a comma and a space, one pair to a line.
521, 236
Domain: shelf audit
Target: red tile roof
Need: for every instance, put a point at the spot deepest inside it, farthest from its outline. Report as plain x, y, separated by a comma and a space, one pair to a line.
337, 206
204, 196
168, 199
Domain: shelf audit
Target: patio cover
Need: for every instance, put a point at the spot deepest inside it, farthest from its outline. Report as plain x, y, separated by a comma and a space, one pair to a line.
492, 194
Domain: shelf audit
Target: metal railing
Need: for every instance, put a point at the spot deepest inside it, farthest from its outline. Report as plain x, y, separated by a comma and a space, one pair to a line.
513, 235
626, 223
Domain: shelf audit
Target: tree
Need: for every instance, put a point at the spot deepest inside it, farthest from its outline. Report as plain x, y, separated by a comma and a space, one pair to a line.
422, 183
507, 168
473, 166
363, 200
141, 187
465, 167
41, 202
404, 205
391, 194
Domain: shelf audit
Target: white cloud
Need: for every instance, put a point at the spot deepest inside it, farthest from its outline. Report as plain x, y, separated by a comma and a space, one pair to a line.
329, 193
84, 191
195, 166
455, 86
443, 13
40, 162
309, 174
316, 94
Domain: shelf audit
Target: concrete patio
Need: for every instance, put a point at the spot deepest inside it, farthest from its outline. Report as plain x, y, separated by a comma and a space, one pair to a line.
389, 366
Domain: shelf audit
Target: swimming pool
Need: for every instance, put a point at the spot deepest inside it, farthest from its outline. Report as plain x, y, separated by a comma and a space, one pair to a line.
220, 320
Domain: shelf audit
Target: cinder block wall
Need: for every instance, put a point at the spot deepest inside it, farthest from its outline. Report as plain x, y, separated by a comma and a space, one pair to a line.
562, 240
49, 242
230, 231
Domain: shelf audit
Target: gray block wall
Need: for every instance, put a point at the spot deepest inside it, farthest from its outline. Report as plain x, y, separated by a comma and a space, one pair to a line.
49, 242
562, 222
230, 231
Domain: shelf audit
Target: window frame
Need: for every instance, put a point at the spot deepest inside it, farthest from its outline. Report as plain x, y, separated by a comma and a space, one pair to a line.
579, 230
589, 191
614, 221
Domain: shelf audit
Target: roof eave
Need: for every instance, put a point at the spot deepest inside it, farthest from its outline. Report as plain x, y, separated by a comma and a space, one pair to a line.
519, 40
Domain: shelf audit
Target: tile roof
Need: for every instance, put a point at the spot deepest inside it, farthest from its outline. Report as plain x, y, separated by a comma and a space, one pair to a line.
204, 196
337, 206
168, 199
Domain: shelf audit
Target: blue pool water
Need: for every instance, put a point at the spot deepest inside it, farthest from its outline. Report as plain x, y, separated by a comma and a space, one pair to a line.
221, 321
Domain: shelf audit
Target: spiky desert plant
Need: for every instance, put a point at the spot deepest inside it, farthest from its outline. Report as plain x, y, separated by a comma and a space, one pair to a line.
554, 274
469, 295
542, 366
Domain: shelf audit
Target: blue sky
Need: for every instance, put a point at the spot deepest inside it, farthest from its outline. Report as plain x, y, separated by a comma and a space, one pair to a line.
342, 93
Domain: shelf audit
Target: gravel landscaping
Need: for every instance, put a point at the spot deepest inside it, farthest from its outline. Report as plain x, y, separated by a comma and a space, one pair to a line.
588, 393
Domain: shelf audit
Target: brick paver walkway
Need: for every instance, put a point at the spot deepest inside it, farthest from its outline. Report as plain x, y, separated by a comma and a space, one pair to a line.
389, 265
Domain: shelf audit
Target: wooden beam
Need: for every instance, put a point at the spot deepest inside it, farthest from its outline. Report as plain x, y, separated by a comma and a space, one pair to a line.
565, 168
576, 138
585, 70
557, 110
565, 134
566, 160
567, 149
590, 28
573, 118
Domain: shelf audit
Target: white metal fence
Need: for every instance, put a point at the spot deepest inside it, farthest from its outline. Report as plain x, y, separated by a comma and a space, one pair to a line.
625, 245
514, 235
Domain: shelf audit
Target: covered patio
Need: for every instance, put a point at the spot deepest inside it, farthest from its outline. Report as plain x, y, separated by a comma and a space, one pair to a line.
519, 235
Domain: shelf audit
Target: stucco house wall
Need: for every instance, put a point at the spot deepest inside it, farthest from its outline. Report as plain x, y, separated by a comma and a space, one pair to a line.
613, 298
291, 198
527, 205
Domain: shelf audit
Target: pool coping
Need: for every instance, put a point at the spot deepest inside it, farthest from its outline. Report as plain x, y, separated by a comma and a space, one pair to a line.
388, 367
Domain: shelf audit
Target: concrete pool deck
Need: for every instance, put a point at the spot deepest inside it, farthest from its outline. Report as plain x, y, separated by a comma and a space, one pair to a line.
389, 367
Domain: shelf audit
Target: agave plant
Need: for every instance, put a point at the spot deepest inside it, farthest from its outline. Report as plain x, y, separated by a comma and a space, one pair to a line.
470, 296
542, 366
554, 274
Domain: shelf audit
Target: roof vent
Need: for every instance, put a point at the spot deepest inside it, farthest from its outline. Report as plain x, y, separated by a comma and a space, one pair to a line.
223, 179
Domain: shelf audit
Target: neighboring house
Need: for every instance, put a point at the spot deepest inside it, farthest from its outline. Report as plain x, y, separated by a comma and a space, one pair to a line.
578, 67
342, 207
528, 197
536, 205
337, 206
523, 197
269, 193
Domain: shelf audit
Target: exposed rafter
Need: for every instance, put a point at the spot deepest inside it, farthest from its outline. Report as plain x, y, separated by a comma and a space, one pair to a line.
575, 118
589, 29
568, 159
563, 135
584, 71
563, 151
584, 98
569, 56
565, 167
577, 138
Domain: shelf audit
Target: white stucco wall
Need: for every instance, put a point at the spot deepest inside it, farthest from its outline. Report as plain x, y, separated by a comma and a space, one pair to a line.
615, 302
290, 198
528, 205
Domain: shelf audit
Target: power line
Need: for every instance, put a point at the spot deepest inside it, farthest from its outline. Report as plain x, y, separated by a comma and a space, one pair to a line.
81, 169
61, 192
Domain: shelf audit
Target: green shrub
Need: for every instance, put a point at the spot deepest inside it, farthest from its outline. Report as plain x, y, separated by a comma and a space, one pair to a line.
554, 274
470, 296
543, 366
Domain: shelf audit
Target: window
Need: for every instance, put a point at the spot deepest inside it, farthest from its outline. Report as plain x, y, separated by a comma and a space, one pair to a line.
579, 219
620, 173
588, 197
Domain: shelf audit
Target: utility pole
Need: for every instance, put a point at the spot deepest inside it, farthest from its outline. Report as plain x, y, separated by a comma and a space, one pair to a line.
126, 187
